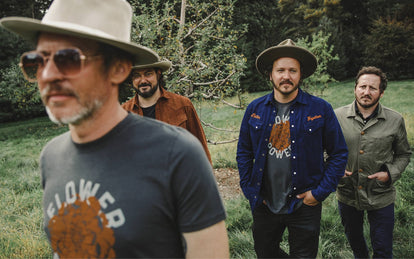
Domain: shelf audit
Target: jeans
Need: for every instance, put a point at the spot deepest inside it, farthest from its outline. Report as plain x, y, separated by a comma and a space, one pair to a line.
303, 226
381, 222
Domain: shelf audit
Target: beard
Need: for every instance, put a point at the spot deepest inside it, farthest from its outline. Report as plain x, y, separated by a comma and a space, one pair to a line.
279, 87
149, 93
76, 117
373, 102
84, 113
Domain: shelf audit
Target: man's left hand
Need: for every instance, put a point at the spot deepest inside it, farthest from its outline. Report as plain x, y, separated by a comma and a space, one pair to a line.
381, 176
308, 198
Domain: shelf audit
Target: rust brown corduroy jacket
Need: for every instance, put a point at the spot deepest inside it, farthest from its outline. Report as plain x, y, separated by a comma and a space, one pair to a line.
176, 110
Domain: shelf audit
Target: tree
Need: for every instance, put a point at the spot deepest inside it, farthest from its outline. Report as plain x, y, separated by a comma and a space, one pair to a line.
391, 47
202, 47
318, 45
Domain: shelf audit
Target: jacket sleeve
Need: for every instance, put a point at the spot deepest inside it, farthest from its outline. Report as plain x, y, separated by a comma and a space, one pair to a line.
402, 153
245, 154
195, 127
337, 152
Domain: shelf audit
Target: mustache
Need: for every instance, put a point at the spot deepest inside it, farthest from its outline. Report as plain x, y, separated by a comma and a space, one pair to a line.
55, 88
144, 84
287, 81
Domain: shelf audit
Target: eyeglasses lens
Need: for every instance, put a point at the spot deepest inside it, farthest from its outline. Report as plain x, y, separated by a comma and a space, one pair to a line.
68, 61
30, 64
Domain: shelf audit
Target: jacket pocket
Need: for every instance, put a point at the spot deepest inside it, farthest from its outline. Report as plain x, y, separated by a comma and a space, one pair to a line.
313, 125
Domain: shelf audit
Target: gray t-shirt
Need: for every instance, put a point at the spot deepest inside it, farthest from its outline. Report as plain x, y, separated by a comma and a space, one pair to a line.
130, 193
277, 177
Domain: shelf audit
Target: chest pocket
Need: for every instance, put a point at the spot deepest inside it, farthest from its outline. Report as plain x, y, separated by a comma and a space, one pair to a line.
313, 125
255, 124
177, 118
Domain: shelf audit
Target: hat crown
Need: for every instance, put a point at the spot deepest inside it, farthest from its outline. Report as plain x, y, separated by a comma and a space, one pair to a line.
287, 42
92, 15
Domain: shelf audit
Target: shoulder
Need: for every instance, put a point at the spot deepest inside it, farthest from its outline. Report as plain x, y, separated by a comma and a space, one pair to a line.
259, 101
343, 109
128, 105
177, 98
390, 112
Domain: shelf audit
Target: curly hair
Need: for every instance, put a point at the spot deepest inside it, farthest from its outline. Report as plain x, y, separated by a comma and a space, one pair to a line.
374, 71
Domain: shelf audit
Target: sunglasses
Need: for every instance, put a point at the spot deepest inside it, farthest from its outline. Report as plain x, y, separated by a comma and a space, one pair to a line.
69, 62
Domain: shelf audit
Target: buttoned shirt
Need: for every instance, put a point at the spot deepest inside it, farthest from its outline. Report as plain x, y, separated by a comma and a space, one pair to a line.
380, 144
313, 130
176, 110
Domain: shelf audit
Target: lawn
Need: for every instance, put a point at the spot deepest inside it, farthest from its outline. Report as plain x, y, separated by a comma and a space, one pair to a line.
21, 233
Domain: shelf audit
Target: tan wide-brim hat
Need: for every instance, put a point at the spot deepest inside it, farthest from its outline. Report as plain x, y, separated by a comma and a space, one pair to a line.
286, 48
106, 21
164, 65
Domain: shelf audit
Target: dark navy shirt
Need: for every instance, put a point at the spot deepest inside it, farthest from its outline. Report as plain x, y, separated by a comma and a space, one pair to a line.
314, 129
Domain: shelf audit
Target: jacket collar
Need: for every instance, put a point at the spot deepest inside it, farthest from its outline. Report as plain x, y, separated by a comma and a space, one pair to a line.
353, 113
302, 97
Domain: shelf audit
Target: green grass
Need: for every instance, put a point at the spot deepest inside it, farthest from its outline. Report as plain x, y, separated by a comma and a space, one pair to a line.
21, 231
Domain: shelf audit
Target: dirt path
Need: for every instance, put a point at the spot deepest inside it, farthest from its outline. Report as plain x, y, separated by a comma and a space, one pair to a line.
228, 182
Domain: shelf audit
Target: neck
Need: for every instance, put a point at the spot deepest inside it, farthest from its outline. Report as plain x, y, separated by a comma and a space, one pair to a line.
150, 101
366, 112
102, 121
285, 98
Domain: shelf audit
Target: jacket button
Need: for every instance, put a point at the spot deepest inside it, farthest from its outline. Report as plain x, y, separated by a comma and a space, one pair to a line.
360, 170
360, 187
361, 152
362, 132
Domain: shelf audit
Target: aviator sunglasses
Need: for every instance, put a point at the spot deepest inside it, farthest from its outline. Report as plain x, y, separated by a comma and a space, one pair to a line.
69, 62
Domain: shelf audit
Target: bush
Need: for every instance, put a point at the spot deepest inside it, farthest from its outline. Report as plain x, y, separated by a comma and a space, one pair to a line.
391, 47
19, 99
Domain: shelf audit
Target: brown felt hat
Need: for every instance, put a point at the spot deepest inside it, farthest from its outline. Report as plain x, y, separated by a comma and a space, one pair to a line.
106, 21
286, 48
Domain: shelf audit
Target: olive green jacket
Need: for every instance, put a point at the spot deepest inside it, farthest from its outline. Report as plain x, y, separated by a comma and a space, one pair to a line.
379, 145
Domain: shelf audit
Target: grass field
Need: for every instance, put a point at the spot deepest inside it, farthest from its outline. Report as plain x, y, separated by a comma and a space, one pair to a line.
21, 234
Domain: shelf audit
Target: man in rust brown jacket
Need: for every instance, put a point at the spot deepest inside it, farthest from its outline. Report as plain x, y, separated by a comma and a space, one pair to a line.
152, 100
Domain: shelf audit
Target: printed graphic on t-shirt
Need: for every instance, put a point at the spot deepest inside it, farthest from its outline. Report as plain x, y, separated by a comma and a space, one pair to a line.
279, 141
82, 228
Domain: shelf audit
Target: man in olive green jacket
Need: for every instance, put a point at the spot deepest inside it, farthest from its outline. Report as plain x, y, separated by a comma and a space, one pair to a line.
378, 154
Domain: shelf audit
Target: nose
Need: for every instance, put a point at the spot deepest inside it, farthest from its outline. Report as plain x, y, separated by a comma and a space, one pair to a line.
50, 72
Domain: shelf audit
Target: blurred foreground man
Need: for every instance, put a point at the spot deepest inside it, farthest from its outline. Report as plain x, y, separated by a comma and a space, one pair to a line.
378, 154
280, 155
152, 100
107, 193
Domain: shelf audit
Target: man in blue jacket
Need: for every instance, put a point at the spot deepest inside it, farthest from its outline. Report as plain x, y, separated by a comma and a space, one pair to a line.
283, 140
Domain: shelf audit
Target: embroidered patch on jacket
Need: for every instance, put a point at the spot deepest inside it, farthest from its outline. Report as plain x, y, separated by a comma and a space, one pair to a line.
314, 117
254, 115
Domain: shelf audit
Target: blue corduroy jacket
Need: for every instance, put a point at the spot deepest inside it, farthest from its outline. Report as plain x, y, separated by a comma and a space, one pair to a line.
314, 133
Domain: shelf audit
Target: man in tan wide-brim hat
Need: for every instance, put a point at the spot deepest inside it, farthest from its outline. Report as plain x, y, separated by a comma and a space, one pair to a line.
280, 155
154, 101
116, 184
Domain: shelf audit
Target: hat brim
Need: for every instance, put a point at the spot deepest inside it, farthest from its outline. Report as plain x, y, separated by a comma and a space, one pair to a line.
30, 29
308, 61
163, 65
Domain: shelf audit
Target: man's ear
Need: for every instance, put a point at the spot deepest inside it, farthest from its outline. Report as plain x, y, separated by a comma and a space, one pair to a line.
120, 71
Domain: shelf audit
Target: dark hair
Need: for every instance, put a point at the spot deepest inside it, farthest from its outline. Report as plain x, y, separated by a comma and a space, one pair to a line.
374, 71
111, 54
161, 81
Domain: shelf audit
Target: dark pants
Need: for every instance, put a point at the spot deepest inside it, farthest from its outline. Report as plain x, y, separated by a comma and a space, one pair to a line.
303, 226
381, 224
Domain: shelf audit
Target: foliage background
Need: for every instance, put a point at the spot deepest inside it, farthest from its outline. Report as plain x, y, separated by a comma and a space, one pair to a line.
214, 47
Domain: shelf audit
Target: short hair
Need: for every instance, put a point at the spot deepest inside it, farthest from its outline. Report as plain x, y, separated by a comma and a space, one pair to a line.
111, 54
161, 80
374, 71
